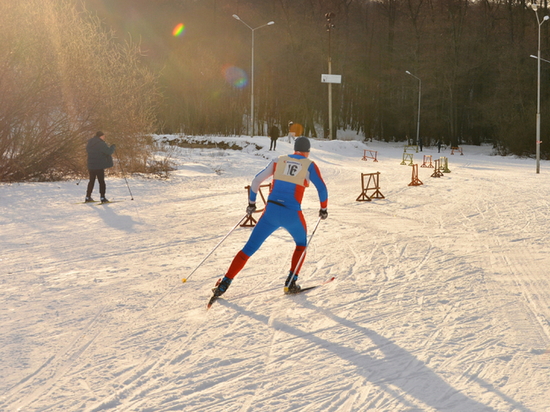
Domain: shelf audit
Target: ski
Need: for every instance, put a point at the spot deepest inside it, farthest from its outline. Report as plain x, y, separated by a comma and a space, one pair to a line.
214, 296
110, 201
98, 202
308, 288
211, 301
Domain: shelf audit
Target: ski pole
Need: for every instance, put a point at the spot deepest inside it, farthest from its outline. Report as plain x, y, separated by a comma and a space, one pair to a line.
307, 245
212, 251
123, 174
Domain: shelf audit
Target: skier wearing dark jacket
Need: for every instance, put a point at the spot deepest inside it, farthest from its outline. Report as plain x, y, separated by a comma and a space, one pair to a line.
273, 135
99, 159
291, 175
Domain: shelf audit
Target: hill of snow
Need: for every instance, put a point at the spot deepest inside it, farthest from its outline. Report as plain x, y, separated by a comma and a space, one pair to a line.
441, 300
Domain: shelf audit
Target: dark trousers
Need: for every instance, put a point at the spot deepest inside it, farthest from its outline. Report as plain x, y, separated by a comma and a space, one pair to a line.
100, 175
273, 144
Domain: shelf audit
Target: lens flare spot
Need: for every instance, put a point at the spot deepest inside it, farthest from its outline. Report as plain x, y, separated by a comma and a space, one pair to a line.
235, 76
179, 30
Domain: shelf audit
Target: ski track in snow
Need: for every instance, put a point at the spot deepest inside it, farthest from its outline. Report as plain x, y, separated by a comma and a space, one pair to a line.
441, 300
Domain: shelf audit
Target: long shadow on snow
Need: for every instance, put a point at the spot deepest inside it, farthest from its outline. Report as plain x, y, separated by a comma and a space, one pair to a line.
428, 386
420, 382
125, 223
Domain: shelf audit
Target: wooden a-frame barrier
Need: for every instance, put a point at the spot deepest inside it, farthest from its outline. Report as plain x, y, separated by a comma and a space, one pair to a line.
370, 154
437, 169
426, 159
374, 178
250, 221
415, 180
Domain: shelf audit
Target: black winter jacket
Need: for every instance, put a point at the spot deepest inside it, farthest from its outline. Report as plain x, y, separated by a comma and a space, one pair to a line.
99, 154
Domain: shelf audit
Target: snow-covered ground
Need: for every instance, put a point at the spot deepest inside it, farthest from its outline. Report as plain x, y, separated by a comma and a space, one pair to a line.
441, 300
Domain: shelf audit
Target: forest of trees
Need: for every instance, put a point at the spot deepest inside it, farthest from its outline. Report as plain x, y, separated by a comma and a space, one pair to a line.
479, 82
69, 67
63, 76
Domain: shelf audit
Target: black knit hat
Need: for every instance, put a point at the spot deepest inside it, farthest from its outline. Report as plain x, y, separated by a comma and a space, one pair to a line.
301, 144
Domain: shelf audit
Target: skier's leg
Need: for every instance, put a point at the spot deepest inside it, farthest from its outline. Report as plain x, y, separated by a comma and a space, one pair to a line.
261, 232
91, 183
298, 252
296, 226
265, 227
267, 224
237, 264
101, 180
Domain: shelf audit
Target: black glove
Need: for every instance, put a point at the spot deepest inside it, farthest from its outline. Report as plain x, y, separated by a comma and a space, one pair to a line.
251, 208
323, 213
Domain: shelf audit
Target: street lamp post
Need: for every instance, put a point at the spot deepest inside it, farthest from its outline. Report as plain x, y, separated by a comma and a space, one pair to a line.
252, 71
419, 97
330, 26
534, 7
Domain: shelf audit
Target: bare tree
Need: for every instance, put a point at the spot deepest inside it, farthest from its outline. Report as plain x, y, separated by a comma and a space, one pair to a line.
63, 77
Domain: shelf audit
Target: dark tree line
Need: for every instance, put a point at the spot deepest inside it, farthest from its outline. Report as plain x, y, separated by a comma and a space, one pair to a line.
71, 67
478, 81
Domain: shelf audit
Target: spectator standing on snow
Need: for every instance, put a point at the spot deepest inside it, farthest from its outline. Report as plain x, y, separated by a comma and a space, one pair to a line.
420, 143
439, 146
99, 158
294, 130
291, 132
274, 135
291, 175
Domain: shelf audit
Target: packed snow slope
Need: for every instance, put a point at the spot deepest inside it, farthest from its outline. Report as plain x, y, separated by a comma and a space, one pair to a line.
441, 300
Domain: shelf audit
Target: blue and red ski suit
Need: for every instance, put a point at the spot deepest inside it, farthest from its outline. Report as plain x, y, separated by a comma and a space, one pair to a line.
291, 175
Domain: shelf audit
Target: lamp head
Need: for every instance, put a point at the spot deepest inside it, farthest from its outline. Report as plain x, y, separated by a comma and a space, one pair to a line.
408, 72
546, 18
532, 6
236, 17
272, 22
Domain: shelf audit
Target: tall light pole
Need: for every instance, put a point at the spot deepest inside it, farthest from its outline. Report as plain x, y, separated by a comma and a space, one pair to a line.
419, 99
330, 26
252, 71
534, 7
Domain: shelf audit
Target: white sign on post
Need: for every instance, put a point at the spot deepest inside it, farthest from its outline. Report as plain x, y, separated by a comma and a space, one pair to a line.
331, 78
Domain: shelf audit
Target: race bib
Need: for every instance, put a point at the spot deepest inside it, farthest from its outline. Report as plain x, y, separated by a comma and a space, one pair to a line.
292, 170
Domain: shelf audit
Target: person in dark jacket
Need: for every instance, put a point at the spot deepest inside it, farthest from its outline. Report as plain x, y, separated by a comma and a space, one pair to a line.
99, 158
274, 135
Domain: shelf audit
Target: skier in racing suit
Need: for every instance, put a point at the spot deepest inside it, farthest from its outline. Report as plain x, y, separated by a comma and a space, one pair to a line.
291, 175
